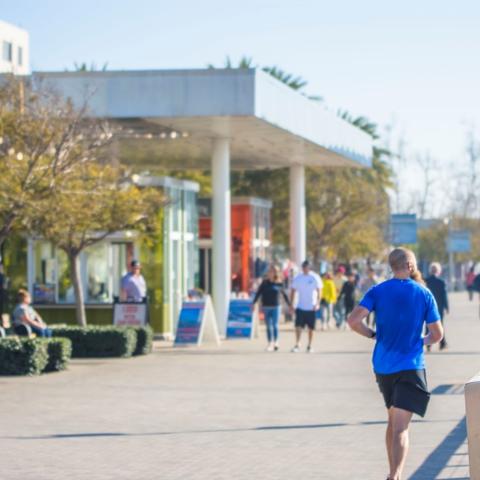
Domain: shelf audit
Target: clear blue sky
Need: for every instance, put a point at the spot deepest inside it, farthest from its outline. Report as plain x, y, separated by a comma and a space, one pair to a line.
415, 61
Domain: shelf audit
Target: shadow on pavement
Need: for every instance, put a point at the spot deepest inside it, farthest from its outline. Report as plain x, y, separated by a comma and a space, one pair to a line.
59, 436
439, 458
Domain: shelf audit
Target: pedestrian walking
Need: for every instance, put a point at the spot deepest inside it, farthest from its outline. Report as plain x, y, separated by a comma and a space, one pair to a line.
269, 293
402, 306
438, 287
308, 287
469, 282
329, 298
365, 285
339, 279
347, 296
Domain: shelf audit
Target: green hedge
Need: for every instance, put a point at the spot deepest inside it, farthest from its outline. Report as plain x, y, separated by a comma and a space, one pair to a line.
144, 340
99, 341
23, 356
59, 353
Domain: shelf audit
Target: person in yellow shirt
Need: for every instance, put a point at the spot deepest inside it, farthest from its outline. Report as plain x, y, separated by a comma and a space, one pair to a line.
329, 298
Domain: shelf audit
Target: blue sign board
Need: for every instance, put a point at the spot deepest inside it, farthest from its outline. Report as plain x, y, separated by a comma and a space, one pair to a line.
190, 323
459, 241
240, 323
403, 229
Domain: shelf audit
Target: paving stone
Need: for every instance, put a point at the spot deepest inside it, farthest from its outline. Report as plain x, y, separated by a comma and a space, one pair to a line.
234, 412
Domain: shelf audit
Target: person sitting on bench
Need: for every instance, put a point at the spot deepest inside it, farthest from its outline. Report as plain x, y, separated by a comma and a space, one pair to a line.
26, 319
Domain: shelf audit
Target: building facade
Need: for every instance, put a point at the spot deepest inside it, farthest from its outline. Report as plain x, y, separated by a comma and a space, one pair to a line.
14, 53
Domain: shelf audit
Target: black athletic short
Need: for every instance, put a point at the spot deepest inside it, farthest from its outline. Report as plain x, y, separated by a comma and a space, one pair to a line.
305, 318
406, 390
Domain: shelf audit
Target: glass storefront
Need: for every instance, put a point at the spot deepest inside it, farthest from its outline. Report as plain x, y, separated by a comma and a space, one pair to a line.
180, 247
169, 258
50, 280
97, 264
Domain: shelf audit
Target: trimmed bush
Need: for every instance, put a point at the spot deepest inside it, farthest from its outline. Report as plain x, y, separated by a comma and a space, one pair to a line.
99, 341
59, 353
22, 356
144, 340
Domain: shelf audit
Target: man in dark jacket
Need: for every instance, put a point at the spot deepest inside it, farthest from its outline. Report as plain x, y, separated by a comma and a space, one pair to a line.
438, 288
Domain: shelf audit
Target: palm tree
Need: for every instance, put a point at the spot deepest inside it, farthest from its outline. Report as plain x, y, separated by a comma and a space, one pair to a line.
294, 82
83, 67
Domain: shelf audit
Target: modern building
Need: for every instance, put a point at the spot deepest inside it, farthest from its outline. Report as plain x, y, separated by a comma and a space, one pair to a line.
219, 119
251, 242
170, 264
14, 45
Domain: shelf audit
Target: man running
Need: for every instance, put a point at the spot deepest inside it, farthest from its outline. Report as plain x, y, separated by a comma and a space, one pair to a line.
308, 285
402, 306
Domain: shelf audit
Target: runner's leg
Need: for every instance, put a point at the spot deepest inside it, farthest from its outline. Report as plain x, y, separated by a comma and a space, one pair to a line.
400, 423
389, 438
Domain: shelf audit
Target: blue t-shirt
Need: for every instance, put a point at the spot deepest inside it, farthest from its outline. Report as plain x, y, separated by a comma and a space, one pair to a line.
402, 307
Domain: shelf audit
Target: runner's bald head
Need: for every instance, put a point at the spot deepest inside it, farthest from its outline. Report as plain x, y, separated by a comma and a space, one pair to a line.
401, 259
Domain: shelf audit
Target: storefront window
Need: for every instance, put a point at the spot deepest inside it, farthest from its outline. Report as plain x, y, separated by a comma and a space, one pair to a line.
44, 273
175, 208
97, 273
102, 267
120, 259
65, 288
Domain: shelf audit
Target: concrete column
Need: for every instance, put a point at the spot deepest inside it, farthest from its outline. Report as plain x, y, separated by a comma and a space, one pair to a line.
298, 232
221, 231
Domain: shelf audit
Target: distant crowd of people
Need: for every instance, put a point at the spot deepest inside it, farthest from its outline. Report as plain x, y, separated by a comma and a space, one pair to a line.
329, 299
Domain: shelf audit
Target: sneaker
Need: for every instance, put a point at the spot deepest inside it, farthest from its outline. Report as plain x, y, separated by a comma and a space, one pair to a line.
310, 349
269, 348
276, 347
295, 349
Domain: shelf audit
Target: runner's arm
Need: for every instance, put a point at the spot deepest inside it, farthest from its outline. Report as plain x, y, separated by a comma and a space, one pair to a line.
435, 333
355, 321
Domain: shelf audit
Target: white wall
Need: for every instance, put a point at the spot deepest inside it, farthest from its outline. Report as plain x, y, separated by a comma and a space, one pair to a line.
17, 38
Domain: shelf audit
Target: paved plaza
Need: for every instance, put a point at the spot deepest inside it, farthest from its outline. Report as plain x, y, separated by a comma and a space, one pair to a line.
235, 412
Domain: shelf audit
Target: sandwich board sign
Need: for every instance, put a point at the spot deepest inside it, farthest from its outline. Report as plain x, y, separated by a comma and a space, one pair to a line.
242, 319
130, 314
197, 324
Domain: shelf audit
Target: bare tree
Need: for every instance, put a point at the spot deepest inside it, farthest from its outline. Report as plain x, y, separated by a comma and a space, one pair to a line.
428, 167
470, 208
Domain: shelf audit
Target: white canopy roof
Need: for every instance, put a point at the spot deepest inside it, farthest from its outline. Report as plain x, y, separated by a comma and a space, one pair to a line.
174, 114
